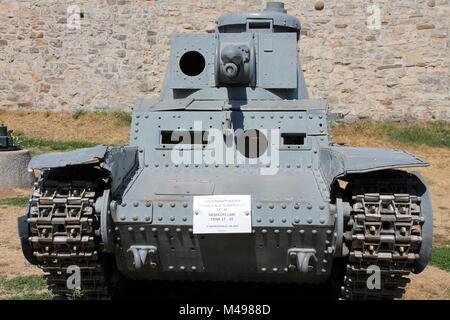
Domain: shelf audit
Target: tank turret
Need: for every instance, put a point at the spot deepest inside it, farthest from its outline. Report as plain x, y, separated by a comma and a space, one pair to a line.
250, 55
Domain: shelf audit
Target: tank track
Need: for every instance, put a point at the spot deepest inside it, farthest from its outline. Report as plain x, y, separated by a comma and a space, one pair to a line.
385, 230
63, 232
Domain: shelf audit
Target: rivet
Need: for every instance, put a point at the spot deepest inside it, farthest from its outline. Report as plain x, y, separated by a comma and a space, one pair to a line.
283, 220
160, 218
271, 220
324, 271
288, 166
178, 229
309, 220
263, 230
130, 228
329, 231
122, 218
322, 220
322, 207
141, 229
194, 268
302, 231
258, 206
263, 269
185, 205
116, 228
325, 261
288, 231
160, 204
296, 220
170, 267
258, 220
156, 165
147, 218
275, 269
309, 206
296, 206
271, 206
124, 204
154, 229
182, 268
184, 219
166, 229
283, 206
148, 204
172, 218
190, 230
135, 218
276, 231
314, 231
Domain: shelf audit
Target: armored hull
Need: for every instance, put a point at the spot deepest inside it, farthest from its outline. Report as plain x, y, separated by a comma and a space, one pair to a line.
231, 176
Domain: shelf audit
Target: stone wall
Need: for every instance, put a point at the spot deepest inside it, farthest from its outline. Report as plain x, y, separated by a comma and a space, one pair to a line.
104, 54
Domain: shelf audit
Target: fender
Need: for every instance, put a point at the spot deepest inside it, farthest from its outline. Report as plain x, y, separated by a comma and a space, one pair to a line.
119, 161
338, 161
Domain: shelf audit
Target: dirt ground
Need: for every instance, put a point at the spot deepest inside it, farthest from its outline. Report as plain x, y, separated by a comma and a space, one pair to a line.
433, 283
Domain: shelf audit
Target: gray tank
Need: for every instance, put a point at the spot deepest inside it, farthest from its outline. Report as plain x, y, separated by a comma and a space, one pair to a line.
231, 176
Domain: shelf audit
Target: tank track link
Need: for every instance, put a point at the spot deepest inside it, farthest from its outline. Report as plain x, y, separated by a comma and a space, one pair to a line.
63, 233
385, 230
